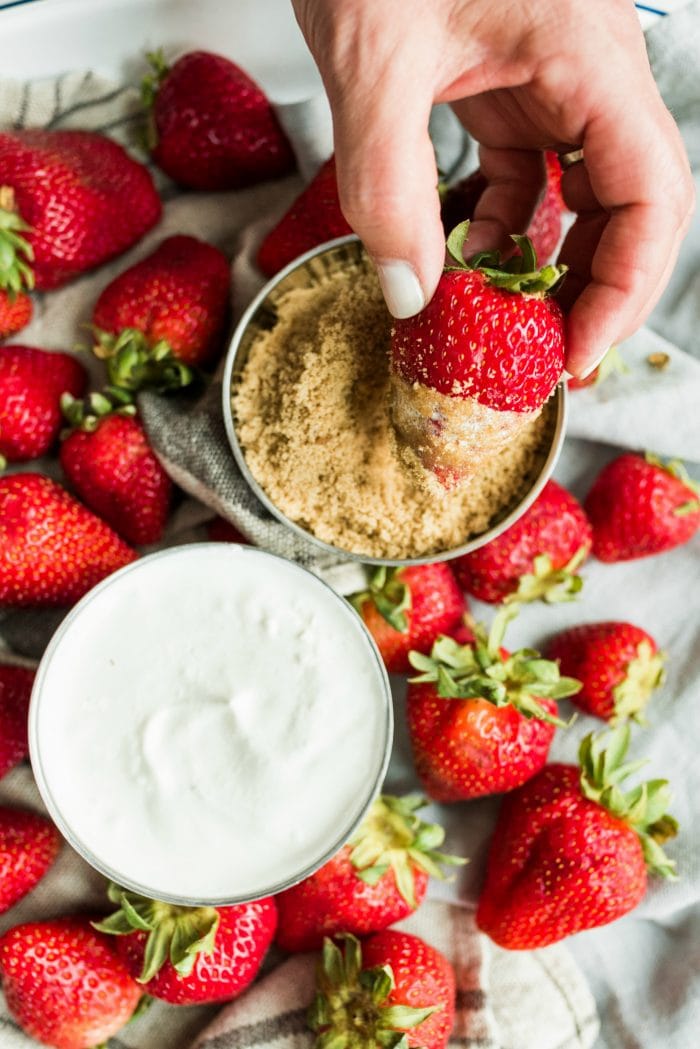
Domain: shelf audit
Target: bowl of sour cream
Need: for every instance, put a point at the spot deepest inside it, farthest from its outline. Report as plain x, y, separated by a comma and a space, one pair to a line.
210, 724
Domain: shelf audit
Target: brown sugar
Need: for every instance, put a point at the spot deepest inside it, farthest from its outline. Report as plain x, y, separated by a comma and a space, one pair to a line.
311, 410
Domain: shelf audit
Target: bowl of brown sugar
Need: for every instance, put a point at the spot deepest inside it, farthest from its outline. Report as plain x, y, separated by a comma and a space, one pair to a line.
306, 406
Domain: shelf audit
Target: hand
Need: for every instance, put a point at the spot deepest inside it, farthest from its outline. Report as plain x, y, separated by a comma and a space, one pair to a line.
523, 77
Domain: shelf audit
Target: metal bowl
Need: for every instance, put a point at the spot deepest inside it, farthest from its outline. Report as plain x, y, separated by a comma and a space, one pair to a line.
309, 270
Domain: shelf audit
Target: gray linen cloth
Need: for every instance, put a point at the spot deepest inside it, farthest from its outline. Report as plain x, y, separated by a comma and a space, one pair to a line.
643, 969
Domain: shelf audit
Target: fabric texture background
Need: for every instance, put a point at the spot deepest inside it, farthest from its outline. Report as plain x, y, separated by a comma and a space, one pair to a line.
644, 969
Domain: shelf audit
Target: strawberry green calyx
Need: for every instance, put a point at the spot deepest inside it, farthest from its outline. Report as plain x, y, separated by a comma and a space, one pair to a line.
133, 363
175, 934
350, 1010
150, 86
87, 414
393, 836
15, 250
481, 671
677, 469
643, 674
549, 584
601, 756
389, 594
519, 273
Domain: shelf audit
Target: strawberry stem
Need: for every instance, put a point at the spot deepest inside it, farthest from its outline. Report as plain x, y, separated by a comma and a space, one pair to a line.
390, 596
16, 252
519, 273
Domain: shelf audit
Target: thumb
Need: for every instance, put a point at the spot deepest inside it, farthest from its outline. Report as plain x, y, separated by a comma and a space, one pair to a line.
387, 181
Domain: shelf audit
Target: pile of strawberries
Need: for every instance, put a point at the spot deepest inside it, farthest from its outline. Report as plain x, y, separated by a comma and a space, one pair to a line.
571, 849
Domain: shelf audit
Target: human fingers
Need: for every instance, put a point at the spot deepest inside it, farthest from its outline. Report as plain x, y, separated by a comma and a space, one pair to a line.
515, 180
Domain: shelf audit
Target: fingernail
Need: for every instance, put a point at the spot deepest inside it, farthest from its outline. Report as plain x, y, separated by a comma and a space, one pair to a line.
402, 290
592, 367
566, 375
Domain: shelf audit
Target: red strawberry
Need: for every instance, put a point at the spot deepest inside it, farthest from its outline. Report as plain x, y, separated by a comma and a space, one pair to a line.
313, 218
378, 878
617, 664
163, 314
571, 850
52, 550
405, 609
77, 200
190, 955
475, 367
460, 200
64, 984
536, 557
219, 530
31, 384
212, 127
639, 507
15, 312
481, 720
15, 692
395, 982
28, 846
111, 467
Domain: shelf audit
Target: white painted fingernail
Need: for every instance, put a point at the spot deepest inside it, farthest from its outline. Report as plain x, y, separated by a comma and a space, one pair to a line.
402, 290
566, 375
592, 367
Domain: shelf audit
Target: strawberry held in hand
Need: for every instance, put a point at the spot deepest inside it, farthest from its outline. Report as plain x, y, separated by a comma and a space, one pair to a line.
69, 201
480, 719
211, 126
190, 955
52, 550
378, 878
29, 844
111, 467
571, 850
64, 984
638, 507
395, 990
164, 314
314, 217
405, 609
536, 558
474, 367
617, 664
15, 692
31, 384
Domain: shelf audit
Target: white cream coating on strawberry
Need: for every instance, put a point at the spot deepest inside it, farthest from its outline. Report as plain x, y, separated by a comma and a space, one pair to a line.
209, 723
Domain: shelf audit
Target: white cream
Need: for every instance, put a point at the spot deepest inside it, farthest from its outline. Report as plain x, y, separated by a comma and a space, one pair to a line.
209, 723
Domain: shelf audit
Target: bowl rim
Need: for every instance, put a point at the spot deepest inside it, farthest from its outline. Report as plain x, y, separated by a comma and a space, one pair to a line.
374, 781
560, 394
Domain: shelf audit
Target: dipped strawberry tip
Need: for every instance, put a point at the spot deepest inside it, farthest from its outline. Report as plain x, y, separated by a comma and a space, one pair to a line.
520, 273
482, 670
601, 757
351, 1008
393, 836
176, 934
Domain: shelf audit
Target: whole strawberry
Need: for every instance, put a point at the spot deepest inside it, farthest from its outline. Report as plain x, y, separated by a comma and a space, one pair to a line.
314, 217
52, 550
15, 312
370, 995
571, 850
475, 367
164, 314
69, 200
31, 384
481, 720
617, 664
536, 558
211, 126
64, 984
460, 200
405, 609
111, 467
638, 507
378, 878
190, 955
15, 693
29, 844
